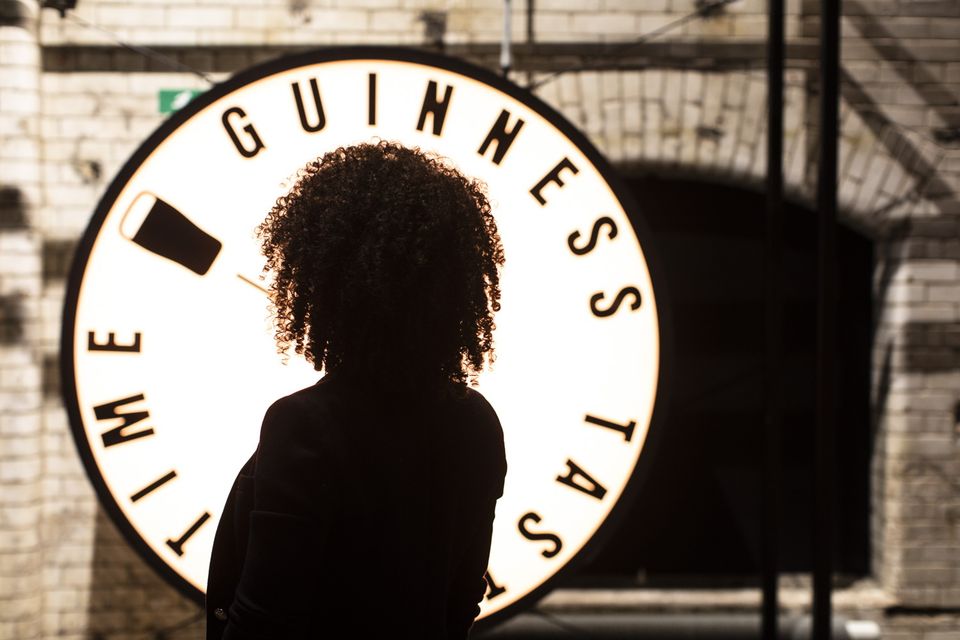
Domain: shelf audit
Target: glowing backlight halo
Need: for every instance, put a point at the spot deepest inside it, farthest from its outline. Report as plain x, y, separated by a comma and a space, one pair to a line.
169, 360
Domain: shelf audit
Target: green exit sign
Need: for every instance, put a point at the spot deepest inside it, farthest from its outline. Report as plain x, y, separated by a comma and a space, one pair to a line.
171, 100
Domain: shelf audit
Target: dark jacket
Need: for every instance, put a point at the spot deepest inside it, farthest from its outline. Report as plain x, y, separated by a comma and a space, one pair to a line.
361, 514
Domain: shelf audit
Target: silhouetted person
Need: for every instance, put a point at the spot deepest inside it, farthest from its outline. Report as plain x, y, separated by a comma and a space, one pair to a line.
367, 509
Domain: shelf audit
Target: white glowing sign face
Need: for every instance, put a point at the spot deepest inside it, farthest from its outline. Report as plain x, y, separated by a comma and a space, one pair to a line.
168, 348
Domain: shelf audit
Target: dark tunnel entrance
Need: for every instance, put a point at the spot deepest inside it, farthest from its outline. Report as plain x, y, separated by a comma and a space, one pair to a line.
696, 521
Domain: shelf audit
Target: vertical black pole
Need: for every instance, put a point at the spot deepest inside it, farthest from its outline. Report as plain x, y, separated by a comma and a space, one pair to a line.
826, 317
530, 38
506, 44
772, 269
530, 21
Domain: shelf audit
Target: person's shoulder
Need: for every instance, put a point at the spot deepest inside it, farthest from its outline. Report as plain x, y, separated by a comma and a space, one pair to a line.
485, 439
476, 403
292, 414
324, 388
479, 415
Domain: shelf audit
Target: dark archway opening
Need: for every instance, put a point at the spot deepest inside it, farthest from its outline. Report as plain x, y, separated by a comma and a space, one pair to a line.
696, 521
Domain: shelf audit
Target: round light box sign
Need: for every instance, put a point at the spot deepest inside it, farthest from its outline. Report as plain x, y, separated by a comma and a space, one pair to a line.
168, 354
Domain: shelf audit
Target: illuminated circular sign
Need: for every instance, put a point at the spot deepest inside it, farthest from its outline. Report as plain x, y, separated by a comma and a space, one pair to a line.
168, 354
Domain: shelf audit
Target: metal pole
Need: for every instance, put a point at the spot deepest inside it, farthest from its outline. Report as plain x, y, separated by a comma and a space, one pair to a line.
505, 53
530, 38
530, 5
773, 365
826, 317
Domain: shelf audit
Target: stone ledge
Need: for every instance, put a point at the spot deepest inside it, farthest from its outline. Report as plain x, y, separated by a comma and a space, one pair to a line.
685, 53
863, 595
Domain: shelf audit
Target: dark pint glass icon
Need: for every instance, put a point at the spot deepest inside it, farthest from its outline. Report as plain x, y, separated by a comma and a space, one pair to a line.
160, 228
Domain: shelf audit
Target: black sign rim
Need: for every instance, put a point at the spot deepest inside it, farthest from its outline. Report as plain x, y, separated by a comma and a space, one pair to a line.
334, 54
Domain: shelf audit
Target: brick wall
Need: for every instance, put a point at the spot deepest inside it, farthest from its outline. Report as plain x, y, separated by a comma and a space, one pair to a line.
21, 460
96, 585
398, 21
690, 101
902, 73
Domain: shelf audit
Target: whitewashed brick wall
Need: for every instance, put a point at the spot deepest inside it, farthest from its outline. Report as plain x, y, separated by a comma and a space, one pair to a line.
96, 584
21, 459
395, 21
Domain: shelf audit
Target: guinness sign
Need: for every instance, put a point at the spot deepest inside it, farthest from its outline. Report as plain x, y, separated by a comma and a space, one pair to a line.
168, 354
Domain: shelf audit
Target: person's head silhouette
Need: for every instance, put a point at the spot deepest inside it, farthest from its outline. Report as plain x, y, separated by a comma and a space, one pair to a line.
386, 262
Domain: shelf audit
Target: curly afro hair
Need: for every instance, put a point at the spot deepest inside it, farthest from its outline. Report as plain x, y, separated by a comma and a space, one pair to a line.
386, 262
